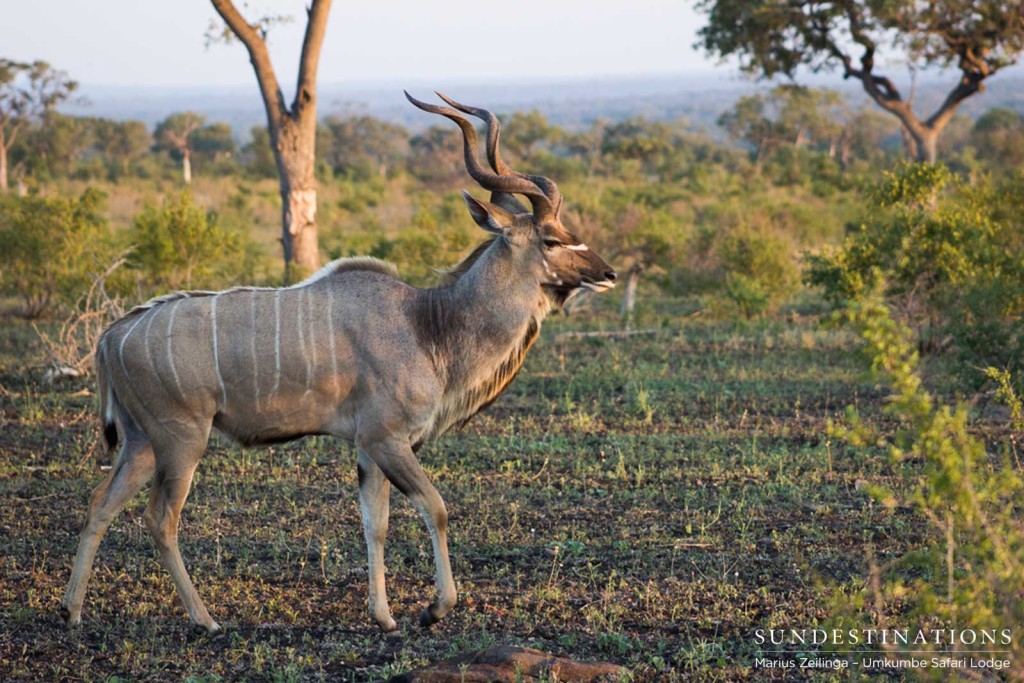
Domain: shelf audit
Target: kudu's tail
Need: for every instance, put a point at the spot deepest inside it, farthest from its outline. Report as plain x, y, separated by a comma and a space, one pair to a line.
106, 392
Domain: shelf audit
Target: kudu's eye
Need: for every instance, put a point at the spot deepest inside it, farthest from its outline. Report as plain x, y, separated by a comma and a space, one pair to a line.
551, 244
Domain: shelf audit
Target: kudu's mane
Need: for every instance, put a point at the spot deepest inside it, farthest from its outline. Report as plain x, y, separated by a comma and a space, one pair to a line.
451, 275
342, 265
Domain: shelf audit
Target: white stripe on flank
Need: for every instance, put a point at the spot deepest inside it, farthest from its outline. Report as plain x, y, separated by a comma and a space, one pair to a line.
145, 342
216, 355
108, 409
120, 348
312, 326
577, 247
277, 342
170, 354
330, 330
302, 335
255, 363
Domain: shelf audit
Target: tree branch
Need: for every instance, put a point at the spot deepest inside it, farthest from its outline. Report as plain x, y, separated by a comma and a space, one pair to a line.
316, 26
969, 84
12, 133
260, 58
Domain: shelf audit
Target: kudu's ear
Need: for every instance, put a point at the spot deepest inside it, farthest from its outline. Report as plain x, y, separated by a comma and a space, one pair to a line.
490, 217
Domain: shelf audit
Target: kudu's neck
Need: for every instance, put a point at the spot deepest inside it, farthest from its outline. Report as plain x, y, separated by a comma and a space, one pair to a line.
484, 322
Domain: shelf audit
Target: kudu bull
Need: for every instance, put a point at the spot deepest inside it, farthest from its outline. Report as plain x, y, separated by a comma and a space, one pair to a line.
351, 352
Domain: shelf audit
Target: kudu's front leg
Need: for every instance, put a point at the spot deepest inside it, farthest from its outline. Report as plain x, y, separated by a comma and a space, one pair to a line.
398, 463
375, 504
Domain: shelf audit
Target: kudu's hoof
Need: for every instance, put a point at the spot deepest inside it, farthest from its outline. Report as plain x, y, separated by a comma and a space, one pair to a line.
389, 626
428, 618
211, 629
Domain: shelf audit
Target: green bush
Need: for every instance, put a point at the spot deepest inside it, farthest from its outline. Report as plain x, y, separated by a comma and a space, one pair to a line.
750, 273
949, 253
763, 260
181, 245
969, 573
53, 248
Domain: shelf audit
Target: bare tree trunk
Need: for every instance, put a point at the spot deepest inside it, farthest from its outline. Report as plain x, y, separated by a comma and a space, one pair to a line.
909, 142
292, 131
928, 146
629, 295
298, 215
294, 147
3, 162
186, 166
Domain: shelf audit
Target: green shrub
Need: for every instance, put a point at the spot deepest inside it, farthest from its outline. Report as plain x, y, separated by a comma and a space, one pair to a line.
181, 245
949, 253
53, 248
969, 574
758, 271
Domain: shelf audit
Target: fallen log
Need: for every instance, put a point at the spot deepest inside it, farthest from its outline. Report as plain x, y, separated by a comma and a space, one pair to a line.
510, 664
613, 334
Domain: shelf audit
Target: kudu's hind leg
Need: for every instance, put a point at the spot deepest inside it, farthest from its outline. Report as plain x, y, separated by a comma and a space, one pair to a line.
375, 504
177, 464
132, 468
400, 466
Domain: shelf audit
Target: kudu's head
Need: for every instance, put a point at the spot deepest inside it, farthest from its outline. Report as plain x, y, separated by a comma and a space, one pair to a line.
541, 246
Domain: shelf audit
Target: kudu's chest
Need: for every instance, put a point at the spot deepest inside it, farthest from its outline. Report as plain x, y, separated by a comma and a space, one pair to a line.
477, 385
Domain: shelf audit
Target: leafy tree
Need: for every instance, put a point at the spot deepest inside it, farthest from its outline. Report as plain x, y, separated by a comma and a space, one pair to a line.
759, 271
179, 245
27, 93
523, 133
808, 116
747, 121
652, 145
586, 144
998, 136
865, 135
175, 135
636, 138
59, 142
53, 248
292, 127
979, 37
122, 143
967, 571
214, 143
436, 156
363, 145
790, 116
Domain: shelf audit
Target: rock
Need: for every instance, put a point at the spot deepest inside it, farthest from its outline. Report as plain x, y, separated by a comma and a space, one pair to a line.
508, 664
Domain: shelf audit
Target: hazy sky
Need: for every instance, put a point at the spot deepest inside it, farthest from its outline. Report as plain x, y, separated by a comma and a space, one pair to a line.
134, 42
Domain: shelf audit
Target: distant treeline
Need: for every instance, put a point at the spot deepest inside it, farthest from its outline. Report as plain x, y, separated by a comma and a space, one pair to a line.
769, 128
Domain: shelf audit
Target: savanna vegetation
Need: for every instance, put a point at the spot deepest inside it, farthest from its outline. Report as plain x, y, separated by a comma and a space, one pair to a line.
650, 499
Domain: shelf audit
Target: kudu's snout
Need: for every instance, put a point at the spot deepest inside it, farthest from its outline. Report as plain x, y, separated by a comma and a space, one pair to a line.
610, 275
